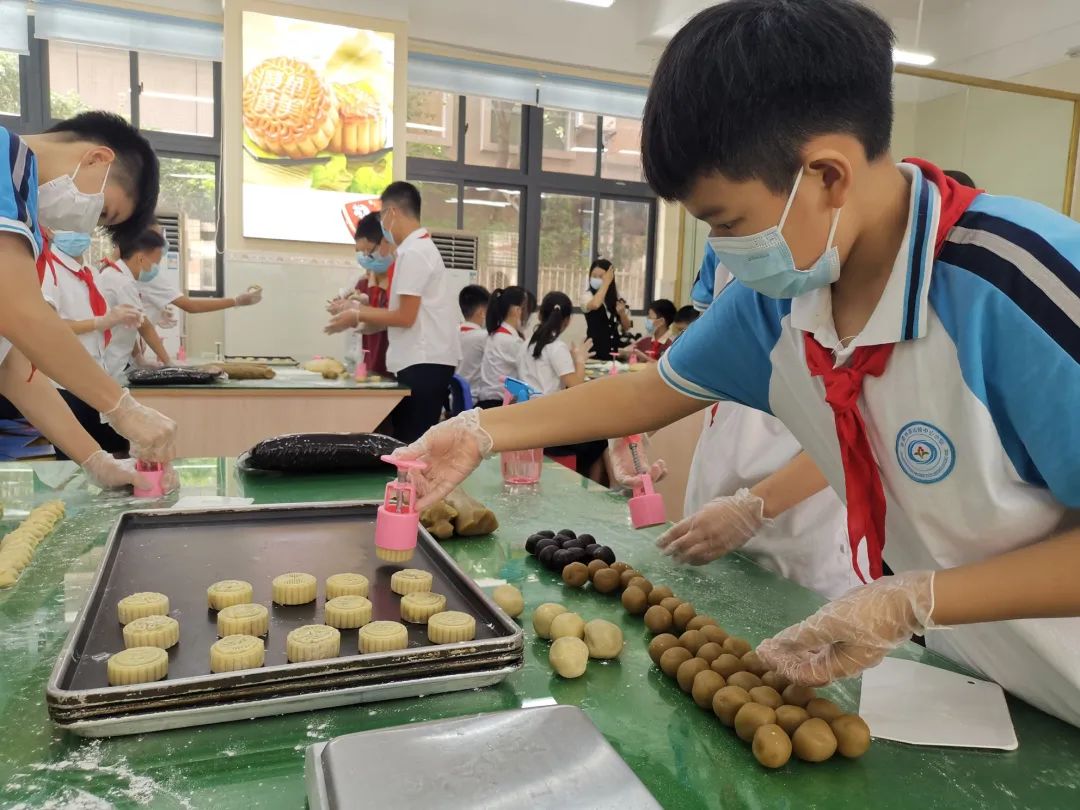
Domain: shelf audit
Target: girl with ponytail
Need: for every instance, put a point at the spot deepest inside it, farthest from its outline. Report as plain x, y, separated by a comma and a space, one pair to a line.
506, 313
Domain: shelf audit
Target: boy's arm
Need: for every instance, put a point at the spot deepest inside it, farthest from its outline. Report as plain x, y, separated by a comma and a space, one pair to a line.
153, 340
194, 306
82, 327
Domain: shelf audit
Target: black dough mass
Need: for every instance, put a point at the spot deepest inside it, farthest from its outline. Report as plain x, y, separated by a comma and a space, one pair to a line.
323, 452
171, 376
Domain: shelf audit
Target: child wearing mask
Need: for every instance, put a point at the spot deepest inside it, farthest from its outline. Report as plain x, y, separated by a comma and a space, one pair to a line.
506, 312
473, 301
119, 284
659, 319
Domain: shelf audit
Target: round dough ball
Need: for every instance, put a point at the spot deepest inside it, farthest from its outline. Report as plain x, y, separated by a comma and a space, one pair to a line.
657, 619
635, 601
771, 746
604, 639
726, 664
766, 696
737, 646
682, 615
640, 582
669, 602
509, 599
710, 650
606, 580
790, 717
659, 593
814, 741
798, 695
715, 633
672, 659
750, 718
567, 625
626, 576
594, 566
852, 735
575, 574
775, 680
699, 622
752, 663
706, 684
620, 566
747, 680
687, 671
693, 640
727, 701
661, 644
543, 616
569, 656
823, 708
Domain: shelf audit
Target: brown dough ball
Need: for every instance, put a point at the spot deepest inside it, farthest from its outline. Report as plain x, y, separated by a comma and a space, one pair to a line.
661, 644
693, 640
852, 735
620, 566
710, 650
670, 602
798, 695
750, 718
706, 684
727, 664
823, 708
640, 582
767, 696
575, 574
688, 670
699, 622
567, 625
659, 593
752, 663
747, 680
772, 746
715, 634
790, 717
594, 566
727, 701
737, 646
657, 619
635, 601
682, 616
814, 741
626, 576
775, 680
674, 658
606, 580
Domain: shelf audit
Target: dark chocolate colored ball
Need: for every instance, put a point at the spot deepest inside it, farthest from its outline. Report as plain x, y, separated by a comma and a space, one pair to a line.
604, 553
545, 554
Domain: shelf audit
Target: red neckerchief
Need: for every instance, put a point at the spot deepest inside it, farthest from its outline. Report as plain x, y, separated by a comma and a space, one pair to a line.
502, 330
862, 479
110, 263
468, 327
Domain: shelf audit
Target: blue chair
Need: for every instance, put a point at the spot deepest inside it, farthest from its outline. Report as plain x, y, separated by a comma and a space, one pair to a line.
460, 395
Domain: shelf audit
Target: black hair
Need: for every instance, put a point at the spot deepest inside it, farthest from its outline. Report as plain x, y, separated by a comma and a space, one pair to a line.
743, 85
146, 242
612, 296
403, 195
687, 315
555, 310
665, 309
499, 306
370, 228
471, 298
530, 298
135, 168
963, 178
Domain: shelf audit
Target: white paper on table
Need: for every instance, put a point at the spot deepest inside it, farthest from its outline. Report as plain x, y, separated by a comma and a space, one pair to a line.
919, 704
210, 502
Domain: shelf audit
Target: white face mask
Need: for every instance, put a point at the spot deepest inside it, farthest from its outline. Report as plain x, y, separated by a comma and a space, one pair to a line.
595, 284
62, 207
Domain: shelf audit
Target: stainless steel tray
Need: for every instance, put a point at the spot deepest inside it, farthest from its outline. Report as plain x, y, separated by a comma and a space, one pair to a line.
551, 757
180, 552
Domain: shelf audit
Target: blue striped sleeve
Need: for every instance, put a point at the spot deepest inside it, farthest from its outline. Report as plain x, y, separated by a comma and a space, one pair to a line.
18, 190
725, 354
704, 290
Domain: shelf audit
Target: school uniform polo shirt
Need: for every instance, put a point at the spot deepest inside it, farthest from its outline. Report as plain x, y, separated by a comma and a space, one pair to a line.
18, 199
119, 286
974, 423
473, 340
70, 297
502, 351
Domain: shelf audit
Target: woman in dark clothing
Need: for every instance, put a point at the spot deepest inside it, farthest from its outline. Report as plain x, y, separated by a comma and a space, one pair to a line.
606, 317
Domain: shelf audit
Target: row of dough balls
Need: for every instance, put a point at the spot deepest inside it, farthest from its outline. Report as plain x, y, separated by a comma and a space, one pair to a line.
17, 548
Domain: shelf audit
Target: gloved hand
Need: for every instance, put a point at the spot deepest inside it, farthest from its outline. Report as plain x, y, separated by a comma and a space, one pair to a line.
346, 319
123, 315
106, 472
622, 463
252, 295
854, 632
581, 352
152, 435
167, 319
451, 450
718, 528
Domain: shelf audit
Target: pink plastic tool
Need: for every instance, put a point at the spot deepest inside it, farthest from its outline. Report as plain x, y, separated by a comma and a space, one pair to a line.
361, 367
397, 521
153, 472
614, 364
647, 505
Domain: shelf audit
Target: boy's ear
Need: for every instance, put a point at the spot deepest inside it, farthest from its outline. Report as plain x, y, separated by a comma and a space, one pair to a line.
99, 154
833, 171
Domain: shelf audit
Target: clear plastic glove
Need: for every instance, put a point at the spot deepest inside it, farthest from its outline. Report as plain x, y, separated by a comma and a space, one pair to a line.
123, 315
152, 435
718, 528
581, 352
451, 450
622, 463
343, 321
854, 632
106, 472
167, 319
252, 295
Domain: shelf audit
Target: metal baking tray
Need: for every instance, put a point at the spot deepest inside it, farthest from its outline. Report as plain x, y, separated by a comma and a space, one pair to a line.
181, 552
543, 758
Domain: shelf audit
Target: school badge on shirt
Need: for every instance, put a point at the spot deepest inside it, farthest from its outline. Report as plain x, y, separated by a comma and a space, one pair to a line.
924, 452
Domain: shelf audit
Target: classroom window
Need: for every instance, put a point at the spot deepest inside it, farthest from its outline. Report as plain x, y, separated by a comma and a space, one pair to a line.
566, 230
569, 142
439, 205
189, 190
10, 84
492, 133
85, 77
494, 214
176, 95
621, 157
431, 125
622, 235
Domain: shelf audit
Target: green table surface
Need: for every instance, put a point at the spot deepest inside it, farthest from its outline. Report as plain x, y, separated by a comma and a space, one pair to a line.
285, 379
681, 753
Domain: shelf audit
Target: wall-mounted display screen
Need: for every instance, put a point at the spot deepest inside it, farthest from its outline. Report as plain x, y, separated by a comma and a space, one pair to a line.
318, 125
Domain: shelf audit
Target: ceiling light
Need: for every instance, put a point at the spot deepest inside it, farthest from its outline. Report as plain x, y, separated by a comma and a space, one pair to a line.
912, 58
597, 3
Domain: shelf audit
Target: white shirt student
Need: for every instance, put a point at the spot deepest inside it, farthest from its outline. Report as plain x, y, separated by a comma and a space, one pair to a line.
118, 282
505, 314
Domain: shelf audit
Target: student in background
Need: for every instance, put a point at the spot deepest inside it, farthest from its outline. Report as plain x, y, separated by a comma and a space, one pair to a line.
119, 284
606, 316
683, 318
658, 323
473, 302
506, 312
421, 319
